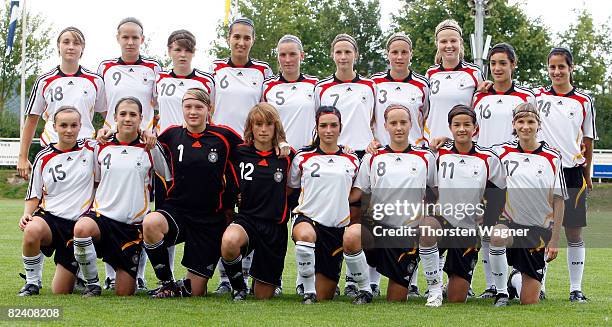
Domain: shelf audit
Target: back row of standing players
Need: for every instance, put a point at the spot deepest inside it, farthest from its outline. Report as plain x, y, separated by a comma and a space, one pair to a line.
239, 82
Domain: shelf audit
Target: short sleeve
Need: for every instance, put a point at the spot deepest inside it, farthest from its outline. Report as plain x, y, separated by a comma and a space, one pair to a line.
559, 187
37, 103
100, 105
497, 175
35, 188
295, 173
588, 125
362, 181
160, 162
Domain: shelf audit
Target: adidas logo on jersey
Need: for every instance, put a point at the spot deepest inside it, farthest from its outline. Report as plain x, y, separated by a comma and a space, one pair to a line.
69, 158
293, 88
330, 161
398, 159
398, 88
560, 103
239, 74
462, 161
499, 101
196, 144
70, 83
448, 77
348, 89
131, 70
181, 84
124, 151
526, 160
263, 163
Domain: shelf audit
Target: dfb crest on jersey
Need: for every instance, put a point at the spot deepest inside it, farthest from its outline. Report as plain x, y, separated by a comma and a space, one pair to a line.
364, 97
476, 170
278, 175
139, 164
213, 156
571, 114
540, 170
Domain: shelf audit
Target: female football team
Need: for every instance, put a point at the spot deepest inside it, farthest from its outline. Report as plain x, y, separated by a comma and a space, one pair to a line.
227, 183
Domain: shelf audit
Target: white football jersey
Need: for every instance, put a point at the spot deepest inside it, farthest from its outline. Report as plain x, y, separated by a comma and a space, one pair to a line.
462, 180
295, 103
533, 179
398, 176
125, 174
169, 91
494, 113
238, 89
566, 119
64, 180
325, 181
355, 101
412, 93
83, 90
136, 79
448, 88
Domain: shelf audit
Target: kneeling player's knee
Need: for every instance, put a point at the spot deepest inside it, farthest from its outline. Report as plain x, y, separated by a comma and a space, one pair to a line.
497, 236
84, 228
152, 223
304, 232
351, 241
32, 233
231, 242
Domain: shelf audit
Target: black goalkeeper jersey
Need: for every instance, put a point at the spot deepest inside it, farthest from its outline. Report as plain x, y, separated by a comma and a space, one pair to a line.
200, 165
262, 177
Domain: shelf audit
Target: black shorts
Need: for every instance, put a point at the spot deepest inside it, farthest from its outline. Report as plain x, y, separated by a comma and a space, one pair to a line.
269, 241
160, 191
202, 235
397, 264
461, 252
328, 248
575, 206
527, 252
62, 234
496, 199
120, 244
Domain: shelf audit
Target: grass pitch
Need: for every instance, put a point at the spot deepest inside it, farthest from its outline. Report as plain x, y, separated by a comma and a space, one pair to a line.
109, 309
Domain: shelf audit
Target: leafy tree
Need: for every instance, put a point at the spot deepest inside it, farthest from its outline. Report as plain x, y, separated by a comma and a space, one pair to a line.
590, 47
316, 23
37, 49
507, 23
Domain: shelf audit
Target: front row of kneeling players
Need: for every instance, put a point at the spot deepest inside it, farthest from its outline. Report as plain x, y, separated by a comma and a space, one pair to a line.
329, 177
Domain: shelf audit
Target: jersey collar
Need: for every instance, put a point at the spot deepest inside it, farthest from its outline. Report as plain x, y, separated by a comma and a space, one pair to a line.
261, 153
570, 93
117, 142
197, 135
459, 66
339, 152
405, 80
79, 72
74, 148
137, 62
284, 80
472, 150
406, 150
190, 76
538, 150
510, 90
354, 80
231, 64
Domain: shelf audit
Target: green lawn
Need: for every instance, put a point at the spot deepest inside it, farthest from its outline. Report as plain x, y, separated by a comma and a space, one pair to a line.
286, 310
